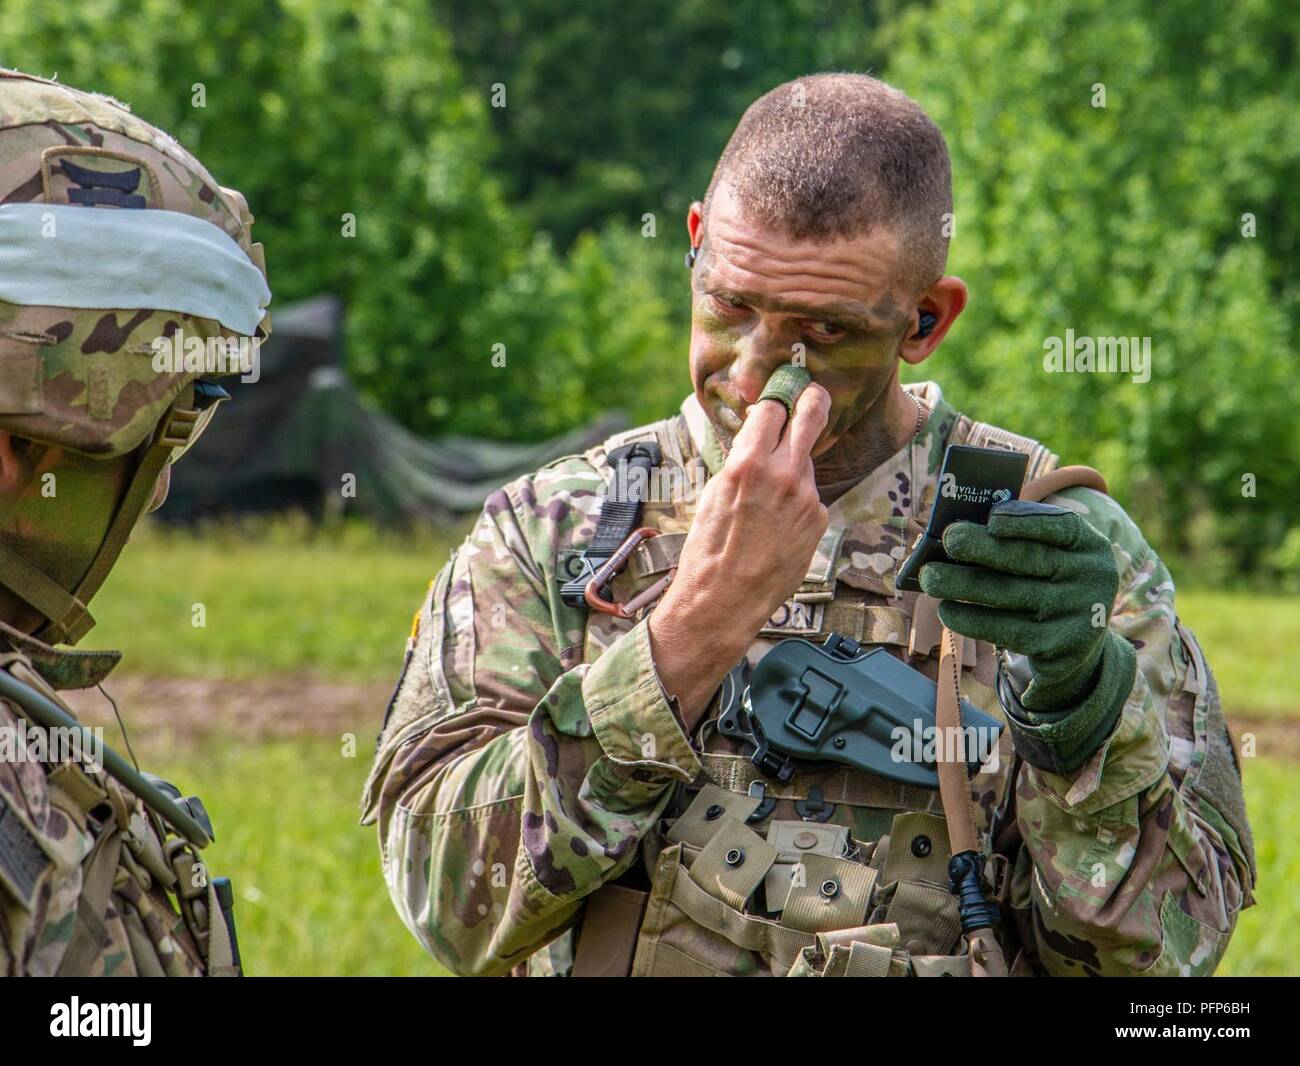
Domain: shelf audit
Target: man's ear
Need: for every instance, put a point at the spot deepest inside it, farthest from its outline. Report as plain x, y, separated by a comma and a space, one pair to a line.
945, 299
695, 223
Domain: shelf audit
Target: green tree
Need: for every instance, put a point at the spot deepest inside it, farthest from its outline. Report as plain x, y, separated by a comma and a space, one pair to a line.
330, 118
367, 164
613, 109
1129, 219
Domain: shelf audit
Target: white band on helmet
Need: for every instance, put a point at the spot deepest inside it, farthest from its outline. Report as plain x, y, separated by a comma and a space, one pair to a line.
58, 255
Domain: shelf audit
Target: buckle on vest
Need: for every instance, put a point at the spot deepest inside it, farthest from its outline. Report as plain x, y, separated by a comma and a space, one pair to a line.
997, 875
598, 584
178, 426
620, 512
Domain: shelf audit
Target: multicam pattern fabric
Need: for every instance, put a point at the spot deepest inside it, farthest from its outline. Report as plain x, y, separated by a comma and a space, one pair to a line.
57, 814
529, 754
100, 394
82, 384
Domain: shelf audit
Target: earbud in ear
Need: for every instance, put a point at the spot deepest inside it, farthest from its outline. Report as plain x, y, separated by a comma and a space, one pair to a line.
926, 323
691, 257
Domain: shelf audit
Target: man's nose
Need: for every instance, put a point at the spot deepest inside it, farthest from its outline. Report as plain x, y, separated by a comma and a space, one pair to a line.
760, 352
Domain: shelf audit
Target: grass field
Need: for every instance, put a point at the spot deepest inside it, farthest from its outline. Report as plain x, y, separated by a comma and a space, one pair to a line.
274, 598
309, 895
280, 600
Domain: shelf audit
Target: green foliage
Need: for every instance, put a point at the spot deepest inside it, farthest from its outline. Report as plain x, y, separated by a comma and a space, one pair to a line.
580, 330
523, 231
324, 110
1127, 220
613, 110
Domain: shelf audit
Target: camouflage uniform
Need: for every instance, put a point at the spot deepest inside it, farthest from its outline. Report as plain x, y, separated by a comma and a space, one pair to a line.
91, 881
529, 757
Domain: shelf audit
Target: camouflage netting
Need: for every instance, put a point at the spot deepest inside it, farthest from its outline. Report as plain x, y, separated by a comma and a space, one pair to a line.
290, 438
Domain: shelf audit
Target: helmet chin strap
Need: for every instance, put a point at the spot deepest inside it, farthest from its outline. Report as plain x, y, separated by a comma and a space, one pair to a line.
68, 617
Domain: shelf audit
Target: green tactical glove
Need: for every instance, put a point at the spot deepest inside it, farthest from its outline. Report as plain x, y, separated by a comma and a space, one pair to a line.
1039, 581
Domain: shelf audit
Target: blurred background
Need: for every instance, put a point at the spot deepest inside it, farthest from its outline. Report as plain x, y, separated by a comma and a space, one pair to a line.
445, 187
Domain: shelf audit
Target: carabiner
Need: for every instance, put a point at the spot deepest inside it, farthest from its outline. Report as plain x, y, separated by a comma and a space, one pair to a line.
614, 566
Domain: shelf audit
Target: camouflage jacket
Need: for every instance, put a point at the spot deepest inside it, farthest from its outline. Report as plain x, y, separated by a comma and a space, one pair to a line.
529, 755
91, 883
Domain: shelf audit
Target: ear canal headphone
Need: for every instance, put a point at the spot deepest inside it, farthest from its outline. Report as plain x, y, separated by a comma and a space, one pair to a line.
691, 257
926, 323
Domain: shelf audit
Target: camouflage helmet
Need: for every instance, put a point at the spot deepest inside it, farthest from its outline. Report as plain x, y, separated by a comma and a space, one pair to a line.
128, 278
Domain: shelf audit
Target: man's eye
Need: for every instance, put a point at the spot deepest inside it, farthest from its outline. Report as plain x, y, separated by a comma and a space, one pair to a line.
727, 302
826, 330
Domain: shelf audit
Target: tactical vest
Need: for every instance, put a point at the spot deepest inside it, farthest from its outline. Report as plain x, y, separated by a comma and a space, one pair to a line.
835, 873
93, 882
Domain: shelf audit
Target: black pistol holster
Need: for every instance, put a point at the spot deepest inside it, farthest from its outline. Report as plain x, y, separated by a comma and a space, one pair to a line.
806, 705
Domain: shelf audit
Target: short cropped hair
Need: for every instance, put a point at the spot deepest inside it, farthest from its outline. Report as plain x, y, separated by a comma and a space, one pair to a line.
836, 155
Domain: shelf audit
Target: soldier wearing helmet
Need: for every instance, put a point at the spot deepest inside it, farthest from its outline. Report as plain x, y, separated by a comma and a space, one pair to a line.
124, 267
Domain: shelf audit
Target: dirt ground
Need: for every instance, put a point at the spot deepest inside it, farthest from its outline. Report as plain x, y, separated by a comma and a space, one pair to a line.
187, 710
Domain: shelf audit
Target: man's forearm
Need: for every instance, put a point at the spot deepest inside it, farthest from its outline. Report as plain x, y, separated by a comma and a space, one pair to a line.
493, 836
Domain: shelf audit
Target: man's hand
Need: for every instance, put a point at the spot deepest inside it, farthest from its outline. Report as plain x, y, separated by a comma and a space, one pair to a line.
755, 532
1039, 581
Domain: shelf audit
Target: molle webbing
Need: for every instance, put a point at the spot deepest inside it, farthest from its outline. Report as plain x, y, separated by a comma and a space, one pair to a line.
736, 773
780, 942
867, 623
657, 555
983, 435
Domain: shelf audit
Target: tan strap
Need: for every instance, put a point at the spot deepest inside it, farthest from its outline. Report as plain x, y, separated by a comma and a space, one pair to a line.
954, 789
37, 589
99, 869
954, 782
1065, 477
868, 623
927, 630
656, 555
779, 942
736, 773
